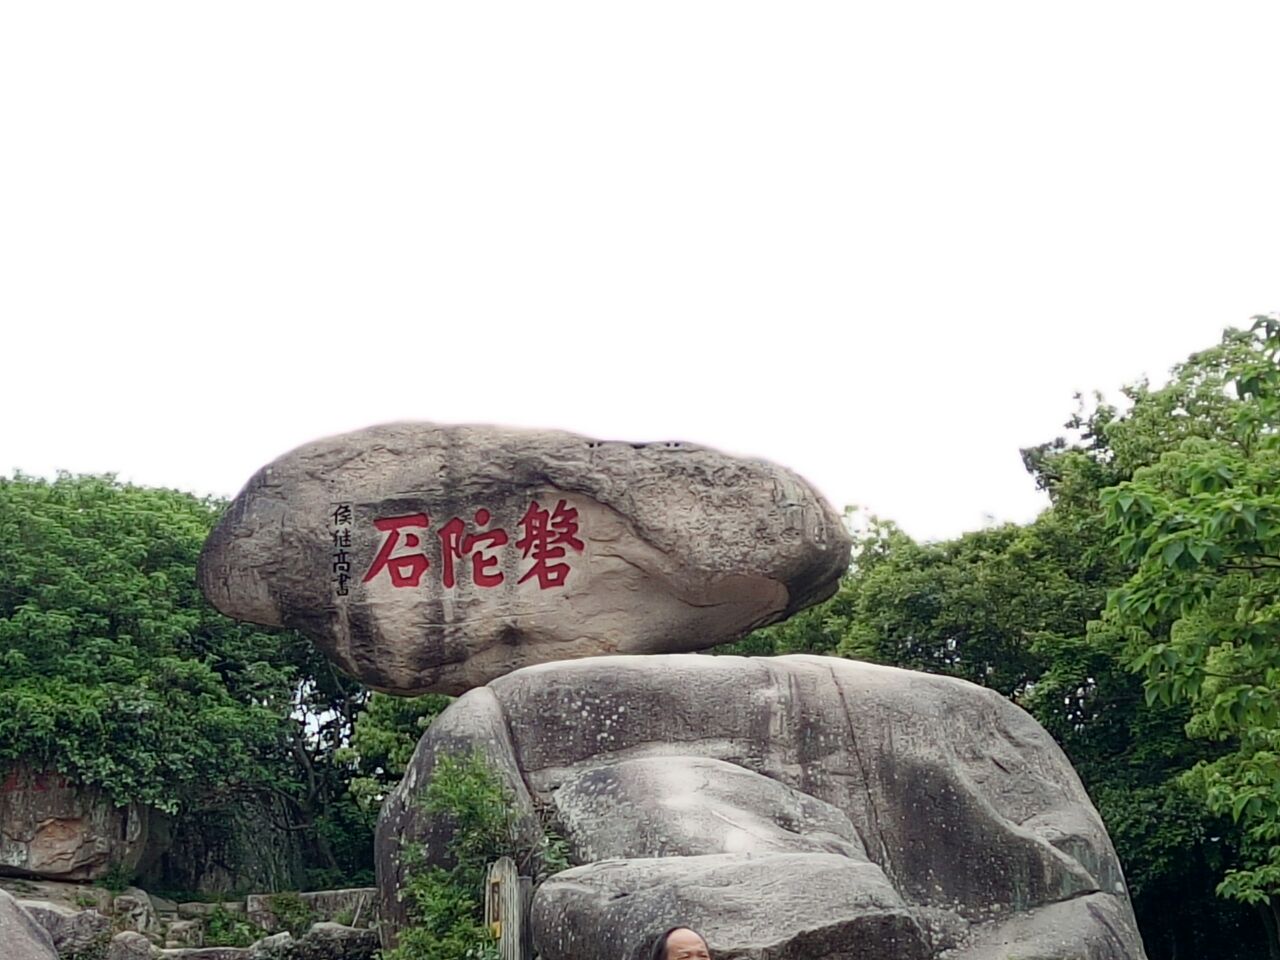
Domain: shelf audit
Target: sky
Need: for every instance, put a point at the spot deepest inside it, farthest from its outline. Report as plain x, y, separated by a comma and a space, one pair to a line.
880, 243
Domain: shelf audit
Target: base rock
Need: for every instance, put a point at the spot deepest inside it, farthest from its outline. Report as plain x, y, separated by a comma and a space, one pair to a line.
784, 907
789, 807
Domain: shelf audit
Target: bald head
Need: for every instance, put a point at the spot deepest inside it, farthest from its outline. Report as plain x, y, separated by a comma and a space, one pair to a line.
685, 944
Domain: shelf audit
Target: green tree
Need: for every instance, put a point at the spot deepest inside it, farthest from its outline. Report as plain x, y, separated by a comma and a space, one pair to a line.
383, 739
315, 772
113, 670
116, 672
1201, 612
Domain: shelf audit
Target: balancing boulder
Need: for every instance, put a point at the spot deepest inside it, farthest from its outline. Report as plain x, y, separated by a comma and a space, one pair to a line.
436, 558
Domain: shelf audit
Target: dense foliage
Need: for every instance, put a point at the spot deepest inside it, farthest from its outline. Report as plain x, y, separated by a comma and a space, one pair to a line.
116, 672
445, 904
112, 668
1201, 611
385, 735
222, 928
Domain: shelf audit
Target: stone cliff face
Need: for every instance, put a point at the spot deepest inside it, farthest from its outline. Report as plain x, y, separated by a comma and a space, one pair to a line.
791, 807
50, 827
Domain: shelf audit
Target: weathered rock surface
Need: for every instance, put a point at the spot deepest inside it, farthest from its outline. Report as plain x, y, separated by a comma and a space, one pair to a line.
184, 933
74, 896
162, 906
131, 945
333, 941
50, 827
785, 907
625, 809
1092, 927
433, 558
20, 935
323, 941
270, 948
787, 807
237, 845
134, 911
359, 904
72, 931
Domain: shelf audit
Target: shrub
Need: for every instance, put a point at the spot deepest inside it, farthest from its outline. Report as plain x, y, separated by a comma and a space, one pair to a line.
446, 905
225, 929
117, 879
292, 913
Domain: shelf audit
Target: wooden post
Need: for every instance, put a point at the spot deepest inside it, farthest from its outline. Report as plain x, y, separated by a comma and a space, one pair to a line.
506, 902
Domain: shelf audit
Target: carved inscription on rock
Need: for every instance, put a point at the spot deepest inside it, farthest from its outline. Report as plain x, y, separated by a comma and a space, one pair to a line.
461, 550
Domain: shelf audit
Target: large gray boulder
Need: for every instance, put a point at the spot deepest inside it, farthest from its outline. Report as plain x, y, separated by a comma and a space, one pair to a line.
20, 935
786, 807
435, 558
74, 932
133, 910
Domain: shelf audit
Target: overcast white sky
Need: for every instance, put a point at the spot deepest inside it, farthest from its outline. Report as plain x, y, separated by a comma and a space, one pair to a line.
882, 243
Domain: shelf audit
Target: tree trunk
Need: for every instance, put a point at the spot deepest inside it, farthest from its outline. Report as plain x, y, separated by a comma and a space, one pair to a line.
326, 852
1268, 913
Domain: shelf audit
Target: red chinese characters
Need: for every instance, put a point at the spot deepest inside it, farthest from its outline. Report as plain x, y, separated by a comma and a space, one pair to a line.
474, 552
546, 537
455, 543
406, 570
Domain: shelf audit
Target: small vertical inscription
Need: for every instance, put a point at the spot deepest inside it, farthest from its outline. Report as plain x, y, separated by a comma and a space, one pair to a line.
340, 522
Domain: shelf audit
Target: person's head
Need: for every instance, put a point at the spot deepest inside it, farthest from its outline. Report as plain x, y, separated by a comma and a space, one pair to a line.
679, 943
